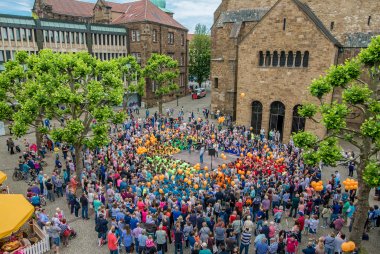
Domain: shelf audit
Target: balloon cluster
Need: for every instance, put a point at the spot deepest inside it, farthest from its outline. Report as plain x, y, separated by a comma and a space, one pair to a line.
317, 186
223, 156
142, 150
348, 246
350, 184
221, 119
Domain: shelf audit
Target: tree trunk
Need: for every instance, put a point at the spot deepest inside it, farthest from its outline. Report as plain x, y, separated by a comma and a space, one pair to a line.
362, 206
160, 102
78, 160
38, 134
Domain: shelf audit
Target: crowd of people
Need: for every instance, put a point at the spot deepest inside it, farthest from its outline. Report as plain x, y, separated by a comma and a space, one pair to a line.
144, 200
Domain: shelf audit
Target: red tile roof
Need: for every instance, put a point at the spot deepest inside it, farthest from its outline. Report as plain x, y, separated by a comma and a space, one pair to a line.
71, 7
144, 10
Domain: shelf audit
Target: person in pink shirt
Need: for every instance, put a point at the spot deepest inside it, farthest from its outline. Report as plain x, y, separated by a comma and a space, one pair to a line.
140, 204
272, 229
144, 214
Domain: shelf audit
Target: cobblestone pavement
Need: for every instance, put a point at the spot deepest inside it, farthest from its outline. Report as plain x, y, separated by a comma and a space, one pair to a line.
86, 240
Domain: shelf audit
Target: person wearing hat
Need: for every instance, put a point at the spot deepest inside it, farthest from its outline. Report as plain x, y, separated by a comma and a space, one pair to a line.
204, 249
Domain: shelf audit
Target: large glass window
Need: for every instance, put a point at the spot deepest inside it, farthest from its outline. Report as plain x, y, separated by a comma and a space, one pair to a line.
11, 34
257, 115
18, 34
298, 122
4, 32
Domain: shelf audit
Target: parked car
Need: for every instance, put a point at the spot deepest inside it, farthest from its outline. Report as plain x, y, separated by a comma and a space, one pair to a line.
199, 93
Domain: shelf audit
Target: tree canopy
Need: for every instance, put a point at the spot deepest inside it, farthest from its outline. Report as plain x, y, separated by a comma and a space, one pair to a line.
163, 71
200, 54
358, 80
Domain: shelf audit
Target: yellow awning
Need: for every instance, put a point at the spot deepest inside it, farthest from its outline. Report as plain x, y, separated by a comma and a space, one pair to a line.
15, 210
3, 177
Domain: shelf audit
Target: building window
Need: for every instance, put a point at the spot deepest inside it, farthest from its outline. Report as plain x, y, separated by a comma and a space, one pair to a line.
284, 25
18, 34
57, 38
332, 25
182, 39
275, 59
369, 20
268, 59
290, 59
23, 34
305, 61
282, 58
154, 35
62, 36
8, 55
1, 57
137, 56
4, 33
171, 55
182, 80
277, 117
261, 58
298, 60
29, 34
171, 38
216, 82
51, 35
298, 122
11, 34
46, 36
135, 35
256, 118
72, 34
182, 60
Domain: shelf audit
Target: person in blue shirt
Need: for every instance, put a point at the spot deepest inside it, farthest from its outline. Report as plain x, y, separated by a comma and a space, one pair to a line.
176, 214
262, 246
35, 200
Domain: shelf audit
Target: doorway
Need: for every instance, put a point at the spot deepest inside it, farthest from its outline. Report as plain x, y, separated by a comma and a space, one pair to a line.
277, 117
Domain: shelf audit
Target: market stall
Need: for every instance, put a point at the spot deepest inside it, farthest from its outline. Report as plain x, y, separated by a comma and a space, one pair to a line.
15, 212
3, 177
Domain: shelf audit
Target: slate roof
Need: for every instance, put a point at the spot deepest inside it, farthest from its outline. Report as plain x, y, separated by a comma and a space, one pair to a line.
245, 15
71, 7
306, 9
359, 40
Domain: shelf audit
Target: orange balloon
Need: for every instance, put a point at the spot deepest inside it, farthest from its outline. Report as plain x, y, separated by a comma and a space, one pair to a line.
207, 175
196, 186
223, 166
205, 168
153, 181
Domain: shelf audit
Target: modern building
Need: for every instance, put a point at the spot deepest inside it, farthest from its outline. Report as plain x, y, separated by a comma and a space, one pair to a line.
151, 29
26, 33
265, 54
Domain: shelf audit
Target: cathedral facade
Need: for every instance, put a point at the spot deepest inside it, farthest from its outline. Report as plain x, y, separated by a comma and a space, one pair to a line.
265, 54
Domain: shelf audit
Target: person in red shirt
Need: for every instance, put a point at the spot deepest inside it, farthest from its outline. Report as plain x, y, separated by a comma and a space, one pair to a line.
112, 241
232, 217
239, 207
301, 223
291, 245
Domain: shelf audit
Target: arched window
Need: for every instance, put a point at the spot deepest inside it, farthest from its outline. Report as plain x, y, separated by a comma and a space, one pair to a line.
261, 58
277, 117
282, 58
290, 59
275, 59
257, 113
298, 60
305, 62
268, 59
298, 122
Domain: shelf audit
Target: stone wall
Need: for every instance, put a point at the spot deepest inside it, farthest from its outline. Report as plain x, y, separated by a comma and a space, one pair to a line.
288, 85
349, 16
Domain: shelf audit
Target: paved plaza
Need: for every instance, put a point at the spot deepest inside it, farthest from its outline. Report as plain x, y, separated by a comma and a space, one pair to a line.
86, 240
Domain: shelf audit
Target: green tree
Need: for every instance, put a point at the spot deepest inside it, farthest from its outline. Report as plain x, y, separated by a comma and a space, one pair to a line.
26, 86
358, 96
133, 76
200, 54
162, 70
